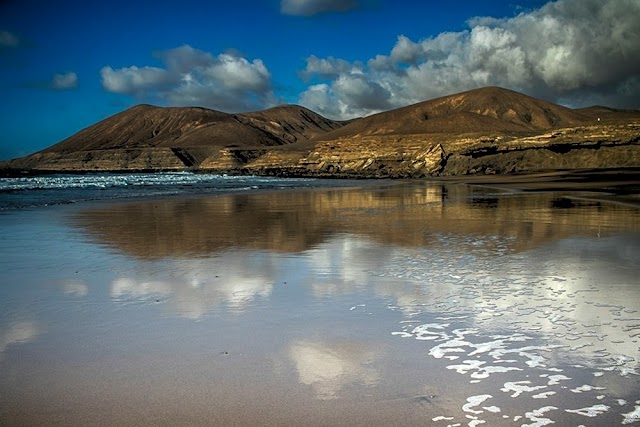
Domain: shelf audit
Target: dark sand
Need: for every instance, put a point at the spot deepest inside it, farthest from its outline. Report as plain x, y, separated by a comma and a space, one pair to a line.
616, 185
419, 303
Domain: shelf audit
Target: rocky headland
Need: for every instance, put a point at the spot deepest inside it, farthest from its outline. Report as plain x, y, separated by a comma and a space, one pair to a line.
484, 131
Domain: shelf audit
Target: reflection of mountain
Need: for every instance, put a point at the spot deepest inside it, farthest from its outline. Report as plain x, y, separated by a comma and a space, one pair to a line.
329, 368
194, 287
410, 215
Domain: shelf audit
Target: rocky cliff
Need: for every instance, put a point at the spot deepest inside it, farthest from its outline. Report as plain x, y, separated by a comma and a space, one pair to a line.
483, 131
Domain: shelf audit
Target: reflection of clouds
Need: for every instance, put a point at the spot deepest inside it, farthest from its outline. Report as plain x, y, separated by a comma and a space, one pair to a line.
577, 293
564, 294
329, 368
76, 289
193, 287
122, 288
18, 333
547, 324
344, 263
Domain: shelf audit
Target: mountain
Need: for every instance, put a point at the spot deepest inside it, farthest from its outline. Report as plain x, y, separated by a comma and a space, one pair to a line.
486, 130
291, 123
488, 109
146, 137
146, 126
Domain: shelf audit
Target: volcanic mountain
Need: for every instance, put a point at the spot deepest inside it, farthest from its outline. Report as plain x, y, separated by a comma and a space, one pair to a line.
489, 109
446, 135
146, 137
145, 126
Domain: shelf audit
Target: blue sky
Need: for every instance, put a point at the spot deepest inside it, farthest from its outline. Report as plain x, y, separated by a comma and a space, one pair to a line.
66, 65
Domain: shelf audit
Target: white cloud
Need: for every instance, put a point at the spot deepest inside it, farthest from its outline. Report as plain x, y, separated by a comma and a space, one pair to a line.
227, 82
366, 93
314, 7
570, 51
8, 39
326, 68
406, 51
134, 80
64, 81
240, 74
321, 99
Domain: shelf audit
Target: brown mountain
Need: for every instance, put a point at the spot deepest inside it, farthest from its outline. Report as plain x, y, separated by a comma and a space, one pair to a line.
487, 130
489, 109
291, 123
146, 126
149, 137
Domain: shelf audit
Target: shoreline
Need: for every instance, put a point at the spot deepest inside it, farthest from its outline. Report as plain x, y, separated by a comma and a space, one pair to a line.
611, 185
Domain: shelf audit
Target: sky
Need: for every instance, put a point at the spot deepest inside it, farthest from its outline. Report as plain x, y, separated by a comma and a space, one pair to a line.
66, 65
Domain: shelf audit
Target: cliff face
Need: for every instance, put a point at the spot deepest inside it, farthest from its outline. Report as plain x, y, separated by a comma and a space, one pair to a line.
484, 131
601, 146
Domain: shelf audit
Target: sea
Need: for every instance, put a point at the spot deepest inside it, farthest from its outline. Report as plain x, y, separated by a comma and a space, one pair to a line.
60, 189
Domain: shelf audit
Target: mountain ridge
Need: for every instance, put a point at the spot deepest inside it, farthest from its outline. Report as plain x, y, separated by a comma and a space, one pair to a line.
415, 140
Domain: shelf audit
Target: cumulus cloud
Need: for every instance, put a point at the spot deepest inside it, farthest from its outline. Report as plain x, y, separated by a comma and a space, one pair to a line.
64, 81
577, 52
328, 68
227, 82
8, 39
314, 7
134, 80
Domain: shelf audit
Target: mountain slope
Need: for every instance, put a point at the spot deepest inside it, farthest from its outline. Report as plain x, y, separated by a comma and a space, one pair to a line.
150, 138
145, 126
489, 109
292, 123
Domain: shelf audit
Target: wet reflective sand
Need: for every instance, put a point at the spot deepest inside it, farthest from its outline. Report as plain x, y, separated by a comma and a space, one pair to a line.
412, 304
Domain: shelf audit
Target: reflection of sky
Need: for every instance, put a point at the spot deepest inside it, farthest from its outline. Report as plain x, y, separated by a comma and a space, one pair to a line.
343, 264
578, 293
552, 323
558, 292
193, 287
327, 368
76, 288
17, 332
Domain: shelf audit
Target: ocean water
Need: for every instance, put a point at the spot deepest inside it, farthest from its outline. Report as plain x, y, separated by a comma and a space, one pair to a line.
46, 190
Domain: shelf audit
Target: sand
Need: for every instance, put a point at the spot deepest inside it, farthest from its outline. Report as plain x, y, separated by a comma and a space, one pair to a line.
420, 303
613, 185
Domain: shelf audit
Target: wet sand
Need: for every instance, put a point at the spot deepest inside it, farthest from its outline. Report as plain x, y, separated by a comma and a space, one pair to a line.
420, 303
615, 185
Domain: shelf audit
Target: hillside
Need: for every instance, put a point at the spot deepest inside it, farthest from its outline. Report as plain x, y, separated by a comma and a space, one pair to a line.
489, 109
146, 137
482, 131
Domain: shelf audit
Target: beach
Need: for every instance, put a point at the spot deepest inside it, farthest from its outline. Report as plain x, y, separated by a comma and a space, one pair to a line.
373, 303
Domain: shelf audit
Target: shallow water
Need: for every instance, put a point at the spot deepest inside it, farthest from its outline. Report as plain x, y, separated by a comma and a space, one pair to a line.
406, 304
59, 189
